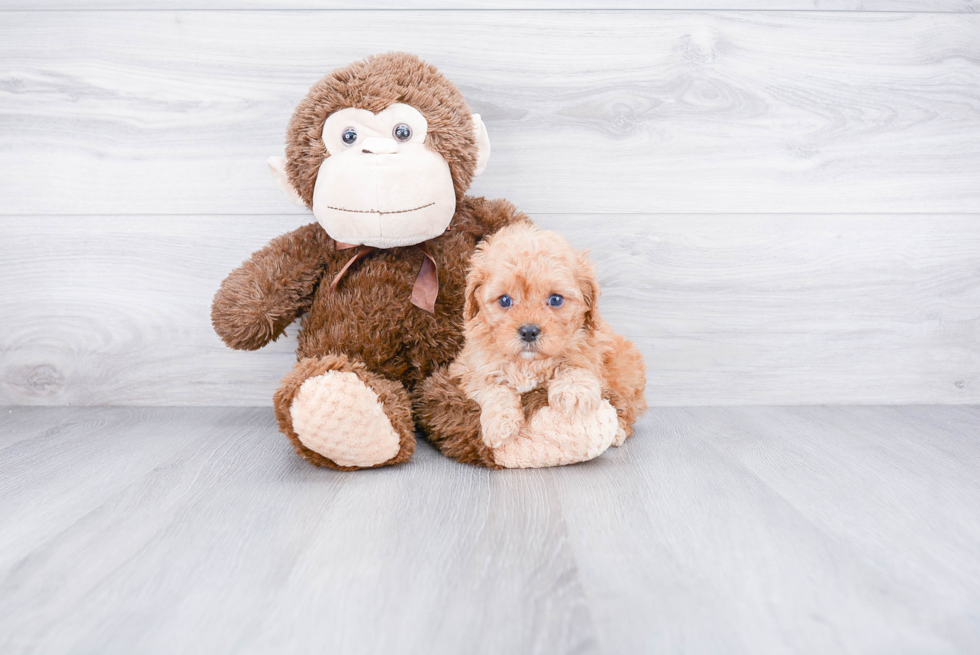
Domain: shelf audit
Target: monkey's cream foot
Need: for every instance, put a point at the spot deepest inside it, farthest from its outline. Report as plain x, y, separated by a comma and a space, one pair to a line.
338, 416
553, 438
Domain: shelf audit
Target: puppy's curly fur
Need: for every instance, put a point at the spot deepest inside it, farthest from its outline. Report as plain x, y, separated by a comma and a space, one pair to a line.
482, 400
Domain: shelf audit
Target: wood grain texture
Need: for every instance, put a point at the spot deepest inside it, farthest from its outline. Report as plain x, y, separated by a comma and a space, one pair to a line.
726, 309
773, 530
603, 112
714, 530
955, 6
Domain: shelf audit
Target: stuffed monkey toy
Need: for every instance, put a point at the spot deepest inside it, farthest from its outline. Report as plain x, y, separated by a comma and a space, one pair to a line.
382, 151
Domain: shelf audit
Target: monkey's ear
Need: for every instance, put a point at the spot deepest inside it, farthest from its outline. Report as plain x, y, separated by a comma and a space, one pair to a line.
474, 280
277, 166
589, 285
482, 144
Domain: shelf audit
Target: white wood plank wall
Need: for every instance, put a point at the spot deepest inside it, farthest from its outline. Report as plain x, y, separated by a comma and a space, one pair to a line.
784, 205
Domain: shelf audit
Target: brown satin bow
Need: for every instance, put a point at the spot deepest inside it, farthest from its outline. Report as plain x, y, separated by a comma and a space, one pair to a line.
426, 282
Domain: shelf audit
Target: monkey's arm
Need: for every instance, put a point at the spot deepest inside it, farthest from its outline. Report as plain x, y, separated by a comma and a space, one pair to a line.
276, 284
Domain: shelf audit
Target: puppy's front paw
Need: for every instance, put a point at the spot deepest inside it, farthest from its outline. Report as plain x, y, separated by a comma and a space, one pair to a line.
575, 396
499, 428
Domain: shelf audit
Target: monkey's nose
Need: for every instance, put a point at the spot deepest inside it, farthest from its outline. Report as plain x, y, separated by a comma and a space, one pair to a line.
379, 146
529, 332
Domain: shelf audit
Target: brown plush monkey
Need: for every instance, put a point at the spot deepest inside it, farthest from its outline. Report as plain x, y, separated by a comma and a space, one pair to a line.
382, 151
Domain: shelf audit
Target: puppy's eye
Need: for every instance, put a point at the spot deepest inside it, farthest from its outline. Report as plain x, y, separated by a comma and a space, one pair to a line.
402, 132
555, 300
349, 136
505, 301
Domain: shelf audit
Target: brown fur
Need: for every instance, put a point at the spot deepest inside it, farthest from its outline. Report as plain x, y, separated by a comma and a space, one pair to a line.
258, 300
577, 358
452, 421
369, 319
374, 84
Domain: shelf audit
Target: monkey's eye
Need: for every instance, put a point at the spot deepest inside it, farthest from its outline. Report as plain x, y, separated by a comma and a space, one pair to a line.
402, 132
350, 136
555, 300
505, 301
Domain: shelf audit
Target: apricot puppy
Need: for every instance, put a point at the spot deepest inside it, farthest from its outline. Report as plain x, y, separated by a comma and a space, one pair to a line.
531, 322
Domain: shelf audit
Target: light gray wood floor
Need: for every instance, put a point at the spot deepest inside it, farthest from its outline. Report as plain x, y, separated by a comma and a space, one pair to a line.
751, 529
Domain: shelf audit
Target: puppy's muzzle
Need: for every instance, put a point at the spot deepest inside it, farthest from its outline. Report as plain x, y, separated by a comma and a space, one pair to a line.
529, 333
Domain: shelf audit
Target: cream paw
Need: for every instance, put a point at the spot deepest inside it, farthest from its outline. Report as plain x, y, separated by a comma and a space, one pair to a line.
499, 427
581, 394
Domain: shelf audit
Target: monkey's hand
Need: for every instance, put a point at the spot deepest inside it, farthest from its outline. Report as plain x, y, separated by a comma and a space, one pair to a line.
501, 415
575, 391
260, 298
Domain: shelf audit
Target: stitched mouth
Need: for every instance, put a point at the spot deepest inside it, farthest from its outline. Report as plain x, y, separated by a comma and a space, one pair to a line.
375, 211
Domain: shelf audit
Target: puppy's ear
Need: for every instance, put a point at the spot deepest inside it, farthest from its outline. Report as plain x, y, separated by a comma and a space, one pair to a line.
590, 290
474, 280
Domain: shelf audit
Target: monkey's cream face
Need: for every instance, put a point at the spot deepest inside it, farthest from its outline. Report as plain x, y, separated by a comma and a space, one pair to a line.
381, 186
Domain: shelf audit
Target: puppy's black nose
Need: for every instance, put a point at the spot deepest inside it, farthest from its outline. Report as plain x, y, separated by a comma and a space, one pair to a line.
529, 332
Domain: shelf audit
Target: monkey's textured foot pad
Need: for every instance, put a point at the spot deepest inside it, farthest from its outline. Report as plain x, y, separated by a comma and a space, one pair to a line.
341, 418
553, 438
